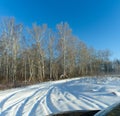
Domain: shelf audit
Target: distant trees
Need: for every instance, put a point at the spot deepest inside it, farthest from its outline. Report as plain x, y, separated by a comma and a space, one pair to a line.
116, 66
49, 54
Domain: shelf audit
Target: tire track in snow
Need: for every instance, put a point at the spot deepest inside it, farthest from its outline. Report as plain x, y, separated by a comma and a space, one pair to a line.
41, 104
88, 99
3, 101
89, 103
19, 103
50, 106
72, 98
62, 103
21, 108
49, 98
4, 113
93, 101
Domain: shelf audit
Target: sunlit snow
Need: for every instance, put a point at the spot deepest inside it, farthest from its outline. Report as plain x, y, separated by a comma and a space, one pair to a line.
84, 93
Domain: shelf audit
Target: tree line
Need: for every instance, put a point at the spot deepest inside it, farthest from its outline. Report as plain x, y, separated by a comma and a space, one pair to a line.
38, 54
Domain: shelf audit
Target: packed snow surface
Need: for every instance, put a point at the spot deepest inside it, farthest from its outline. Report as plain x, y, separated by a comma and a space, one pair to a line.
84, 93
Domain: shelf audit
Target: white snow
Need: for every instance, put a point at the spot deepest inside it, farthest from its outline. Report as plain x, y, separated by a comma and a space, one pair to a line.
84, 93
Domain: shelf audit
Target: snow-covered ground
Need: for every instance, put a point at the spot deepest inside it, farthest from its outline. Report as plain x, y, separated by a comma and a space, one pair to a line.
65, 95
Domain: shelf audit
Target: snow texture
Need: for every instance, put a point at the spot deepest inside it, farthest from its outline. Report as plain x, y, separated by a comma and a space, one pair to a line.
84, 93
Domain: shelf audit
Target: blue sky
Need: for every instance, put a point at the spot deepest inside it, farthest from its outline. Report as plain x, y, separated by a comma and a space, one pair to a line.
96, 22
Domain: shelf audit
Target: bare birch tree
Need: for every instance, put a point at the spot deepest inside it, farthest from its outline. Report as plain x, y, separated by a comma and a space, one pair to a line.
11, 36
51, 52
64, 33
38, 34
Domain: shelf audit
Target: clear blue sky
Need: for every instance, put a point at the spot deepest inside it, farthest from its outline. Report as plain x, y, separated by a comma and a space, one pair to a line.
96, 22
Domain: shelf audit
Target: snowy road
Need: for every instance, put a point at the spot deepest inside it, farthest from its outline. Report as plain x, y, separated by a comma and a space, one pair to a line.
54, 97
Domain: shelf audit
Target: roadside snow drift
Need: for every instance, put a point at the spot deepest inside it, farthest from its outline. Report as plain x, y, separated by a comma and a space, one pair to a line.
66, 95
